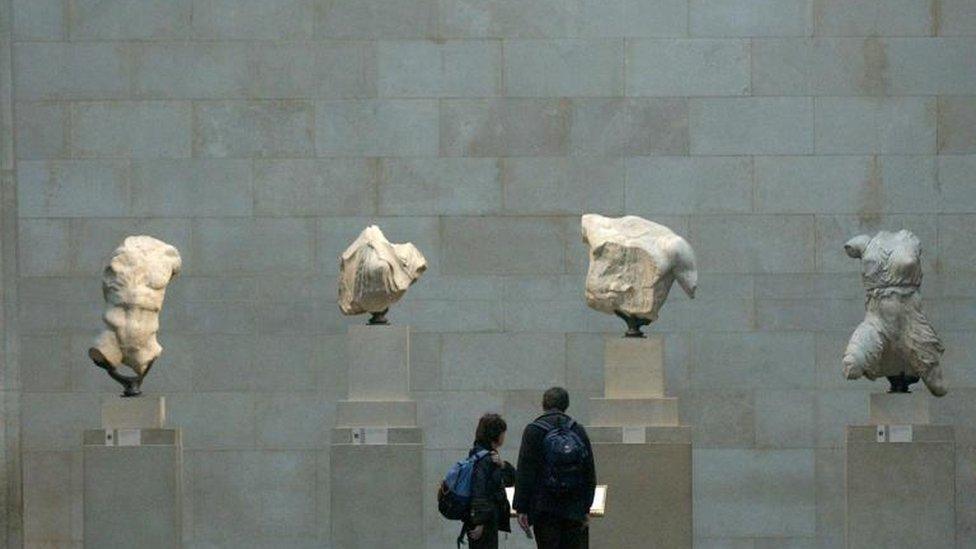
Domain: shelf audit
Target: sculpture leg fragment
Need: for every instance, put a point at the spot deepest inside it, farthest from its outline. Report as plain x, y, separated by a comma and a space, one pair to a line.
634, 324
131, 385
863, 352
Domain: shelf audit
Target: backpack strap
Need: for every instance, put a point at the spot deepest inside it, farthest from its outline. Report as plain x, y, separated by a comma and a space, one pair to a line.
544, 425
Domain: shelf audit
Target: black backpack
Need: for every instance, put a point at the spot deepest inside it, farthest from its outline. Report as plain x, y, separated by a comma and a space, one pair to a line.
564, 457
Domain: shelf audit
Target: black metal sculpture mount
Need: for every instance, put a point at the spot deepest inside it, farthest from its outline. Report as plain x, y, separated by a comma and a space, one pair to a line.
132, 385
378, 318
634, 324
900, 383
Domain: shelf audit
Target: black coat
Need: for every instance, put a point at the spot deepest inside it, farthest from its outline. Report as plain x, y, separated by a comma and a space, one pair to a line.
529, 497
489, 504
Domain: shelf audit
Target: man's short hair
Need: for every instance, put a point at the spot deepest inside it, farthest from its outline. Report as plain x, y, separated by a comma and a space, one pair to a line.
555, 398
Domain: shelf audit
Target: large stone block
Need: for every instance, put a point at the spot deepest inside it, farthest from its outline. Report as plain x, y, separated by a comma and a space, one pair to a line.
633, 368
376, 413
181, 70
498, 245
814, 184
41, 130
252, 245
750, 18
293, 420
392, 127
822, 66
450, 417
874, 18
252, 19
563, 185
957, 124
564, 68
73, 188
958, 195
890, 125
899, 408
765, 244
196, 187
785, 419
53, 421
253, 129
740, 493
214, 421
629, 127
502, 361
751, 125
889, 481
644, 480
137, 129
303, 187
320, 70
130, 19
689, 185
633, 412
720, 419
38, 20
930, 66
148, 412
687, 67
369, 481
52, 496
440, 186
632, 18
452, 68
70, 71
376, 19
953, 230
150, 495
379, 362
509, 18
504, 127
957, 18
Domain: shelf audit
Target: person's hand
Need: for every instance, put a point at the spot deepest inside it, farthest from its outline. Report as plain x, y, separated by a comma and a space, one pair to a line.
476, 532
496, 458
523, 521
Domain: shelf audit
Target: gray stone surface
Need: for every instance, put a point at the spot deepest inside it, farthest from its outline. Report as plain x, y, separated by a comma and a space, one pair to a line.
310, 119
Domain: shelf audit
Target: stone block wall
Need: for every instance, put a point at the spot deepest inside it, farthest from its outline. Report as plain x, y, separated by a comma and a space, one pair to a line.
260, 136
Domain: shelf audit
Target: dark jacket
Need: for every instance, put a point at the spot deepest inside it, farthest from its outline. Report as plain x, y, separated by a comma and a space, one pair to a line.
530, 497
489, 504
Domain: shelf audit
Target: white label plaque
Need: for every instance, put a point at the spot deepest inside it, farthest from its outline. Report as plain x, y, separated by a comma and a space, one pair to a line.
900, 433
370, 435
128, 437
634, 435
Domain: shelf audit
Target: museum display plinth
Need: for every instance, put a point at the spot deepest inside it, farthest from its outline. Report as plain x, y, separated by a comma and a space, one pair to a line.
642, 452
900, 477
133, 477
377, 462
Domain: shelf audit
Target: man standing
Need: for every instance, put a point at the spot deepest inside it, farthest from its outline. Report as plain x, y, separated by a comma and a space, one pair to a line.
556, 477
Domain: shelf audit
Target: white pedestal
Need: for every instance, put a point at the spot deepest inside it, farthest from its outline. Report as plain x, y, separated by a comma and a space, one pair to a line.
133, 477
377, 459
642, 452
900, 477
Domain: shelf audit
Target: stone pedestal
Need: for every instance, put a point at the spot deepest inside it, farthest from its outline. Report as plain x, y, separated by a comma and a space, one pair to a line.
133, 477
900, 477
642, 452
377, 460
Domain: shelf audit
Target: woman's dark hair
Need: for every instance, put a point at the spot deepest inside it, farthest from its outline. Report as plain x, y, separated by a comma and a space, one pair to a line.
490, 427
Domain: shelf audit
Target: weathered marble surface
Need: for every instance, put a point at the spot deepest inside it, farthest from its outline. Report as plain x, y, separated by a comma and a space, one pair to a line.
633, 263
374, 274
895, 340
134, 285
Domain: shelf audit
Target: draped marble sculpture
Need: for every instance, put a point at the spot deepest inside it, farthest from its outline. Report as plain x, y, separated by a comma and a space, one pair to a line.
134, 285
895, 340
633, 263
374, 274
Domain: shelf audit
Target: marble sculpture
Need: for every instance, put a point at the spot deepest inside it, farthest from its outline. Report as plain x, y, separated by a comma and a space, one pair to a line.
633, 263
895, 340
374, 274
134, 285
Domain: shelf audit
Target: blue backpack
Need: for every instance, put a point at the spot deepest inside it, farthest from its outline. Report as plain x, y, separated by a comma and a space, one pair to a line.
454, 496
564, 460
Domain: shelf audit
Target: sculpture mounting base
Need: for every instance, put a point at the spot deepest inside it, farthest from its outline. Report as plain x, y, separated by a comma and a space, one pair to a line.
901, 383
378, 318
131, 385
634, 324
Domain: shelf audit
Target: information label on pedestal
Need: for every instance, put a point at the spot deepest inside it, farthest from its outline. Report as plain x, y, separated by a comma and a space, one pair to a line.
634, 435
371, 435
900, 433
